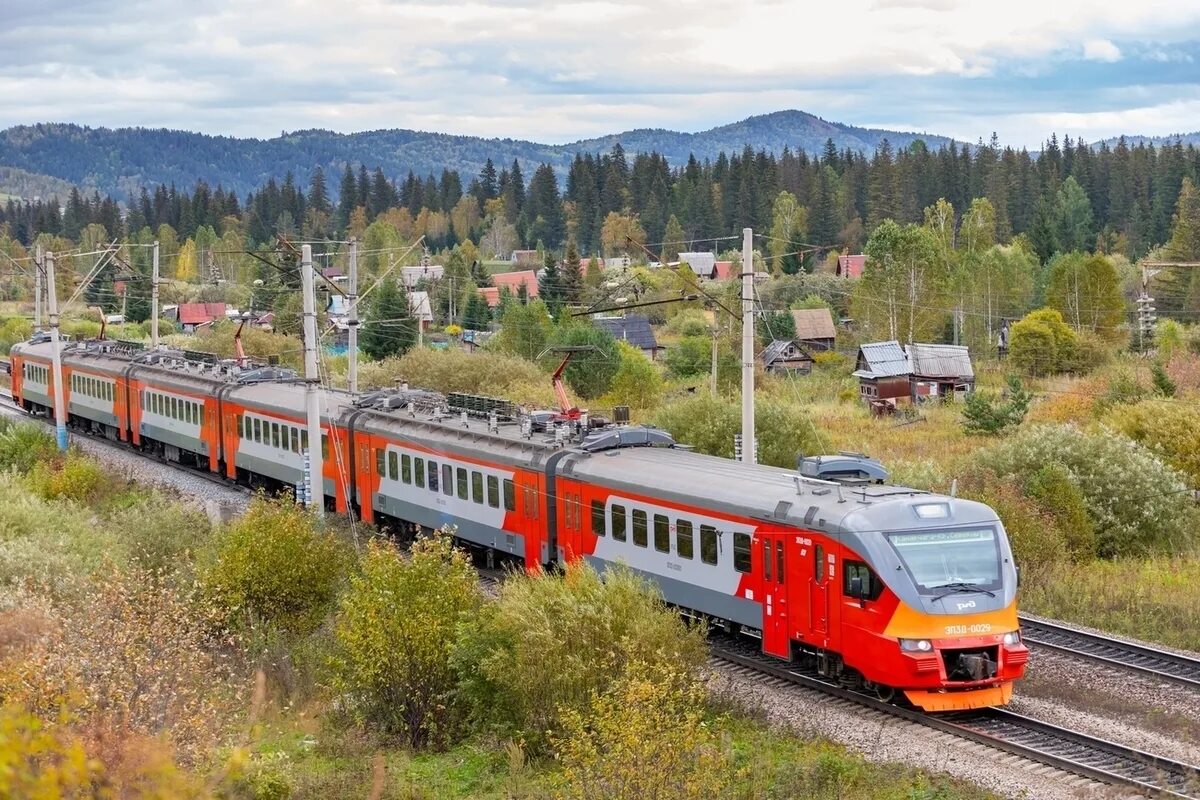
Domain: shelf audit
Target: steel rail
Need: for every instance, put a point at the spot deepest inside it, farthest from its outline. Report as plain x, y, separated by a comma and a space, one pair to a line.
1118, 653
1061, 748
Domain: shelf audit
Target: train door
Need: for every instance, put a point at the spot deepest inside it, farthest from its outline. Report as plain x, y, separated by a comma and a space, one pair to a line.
773, 568
819, 596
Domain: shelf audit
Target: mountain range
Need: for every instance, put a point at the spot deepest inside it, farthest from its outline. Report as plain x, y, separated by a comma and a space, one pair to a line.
46, 159
120, 161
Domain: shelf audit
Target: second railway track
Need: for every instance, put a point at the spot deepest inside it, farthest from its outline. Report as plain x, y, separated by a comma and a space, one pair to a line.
1061, 748
1161, 664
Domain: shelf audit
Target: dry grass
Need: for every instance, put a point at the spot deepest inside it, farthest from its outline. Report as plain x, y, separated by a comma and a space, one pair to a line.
1153, 599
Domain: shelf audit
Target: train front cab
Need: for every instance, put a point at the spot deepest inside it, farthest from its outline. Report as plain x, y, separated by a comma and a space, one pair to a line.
822, 603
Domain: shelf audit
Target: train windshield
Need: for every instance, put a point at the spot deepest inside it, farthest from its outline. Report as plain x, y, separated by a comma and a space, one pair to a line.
943, 559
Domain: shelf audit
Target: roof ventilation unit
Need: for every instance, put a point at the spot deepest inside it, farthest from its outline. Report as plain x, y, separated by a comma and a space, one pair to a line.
851, 468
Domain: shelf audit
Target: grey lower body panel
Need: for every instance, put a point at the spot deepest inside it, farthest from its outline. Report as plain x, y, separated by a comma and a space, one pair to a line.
697, 598
188, 443
468, 530
95, 415
279, 472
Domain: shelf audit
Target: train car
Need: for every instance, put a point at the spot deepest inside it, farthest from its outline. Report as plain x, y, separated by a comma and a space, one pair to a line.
430, 468
265, 434
32, 376
174, 400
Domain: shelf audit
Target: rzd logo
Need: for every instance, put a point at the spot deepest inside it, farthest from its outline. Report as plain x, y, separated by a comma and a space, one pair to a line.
966, 605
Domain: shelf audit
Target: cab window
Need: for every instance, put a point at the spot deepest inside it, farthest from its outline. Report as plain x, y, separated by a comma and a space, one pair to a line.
872, 587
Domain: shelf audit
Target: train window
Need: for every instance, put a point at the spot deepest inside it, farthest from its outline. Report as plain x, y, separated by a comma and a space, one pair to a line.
598, 517
819, 566
406, 468
380, 462
510, 496
871, 585
419, 472
174, 408
741, 552
447, 479
295, 440
304, 439
257, 430
618, 523
766, 560
662, 534
639, 527
477, 487
493, 484
683, 538
394, 466
275, 435
325, 446
779, 573
708, 544
461, 480
433, 476
199, 413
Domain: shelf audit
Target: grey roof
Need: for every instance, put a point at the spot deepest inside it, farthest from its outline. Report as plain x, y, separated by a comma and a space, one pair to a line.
813, 323
883, 360
776, 350
940, 361
634, 329
701, 263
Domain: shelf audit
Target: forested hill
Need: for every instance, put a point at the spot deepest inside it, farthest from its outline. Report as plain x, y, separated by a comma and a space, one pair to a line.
120, 161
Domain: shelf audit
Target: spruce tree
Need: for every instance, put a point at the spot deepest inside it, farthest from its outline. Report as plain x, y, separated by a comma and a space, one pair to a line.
572, 273
389, 328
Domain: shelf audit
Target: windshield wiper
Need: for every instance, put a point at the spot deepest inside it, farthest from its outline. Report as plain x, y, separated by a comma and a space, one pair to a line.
963, 588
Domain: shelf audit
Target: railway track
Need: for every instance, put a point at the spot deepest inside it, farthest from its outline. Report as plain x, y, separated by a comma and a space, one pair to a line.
1063, 749
1151, 661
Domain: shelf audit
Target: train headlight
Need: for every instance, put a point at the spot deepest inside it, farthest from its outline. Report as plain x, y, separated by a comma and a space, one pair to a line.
916, 645
1012, 638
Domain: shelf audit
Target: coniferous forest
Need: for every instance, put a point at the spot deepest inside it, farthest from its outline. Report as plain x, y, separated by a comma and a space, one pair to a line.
1068, 196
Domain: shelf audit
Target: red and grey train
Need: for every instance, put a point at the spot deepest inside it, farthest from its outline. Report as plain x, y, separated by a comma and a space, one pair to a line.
887, 587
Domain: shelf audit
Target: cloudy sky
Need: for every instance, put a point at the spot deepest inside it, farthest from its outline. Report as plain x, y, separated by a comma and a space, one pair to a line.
560, 71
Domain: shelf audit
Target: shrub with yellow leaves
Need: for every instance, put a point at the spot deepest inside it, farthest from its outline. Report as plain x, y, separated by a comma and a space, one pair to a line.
645, 737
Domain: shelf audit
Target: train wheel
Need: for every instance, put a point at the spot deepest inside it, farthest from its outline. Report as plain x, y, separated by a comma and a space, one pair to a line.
885, 693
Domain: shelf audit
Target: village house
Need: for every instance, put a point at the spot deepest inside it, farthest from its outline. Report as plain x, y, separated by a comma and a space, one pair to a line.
940, 370
851, 266
786, 355
883, 371
512, 283
814, 328
634, 329
411, 277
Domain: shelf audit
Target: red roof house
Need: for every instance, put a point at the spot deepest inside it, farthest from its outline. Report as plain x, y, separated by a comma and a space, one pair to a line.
725, 270
851, 266
491, 294
193, 314
514, 280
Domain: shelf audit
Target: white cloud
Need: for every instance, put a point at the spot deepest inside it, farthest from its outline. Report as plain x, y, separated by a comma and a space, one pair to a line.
547, 70
1101, 50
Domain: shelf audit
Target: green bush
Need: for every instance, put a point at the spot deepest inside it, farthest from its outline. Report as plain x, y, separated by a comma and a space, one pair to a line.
688, 323
274, 566
549, 644
1054, 491
13, 330
589, 374
396, 627
75, 478
637, 383
1137, 503
1042, 344
708, 424
692, 356
1170, 429
22, 445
